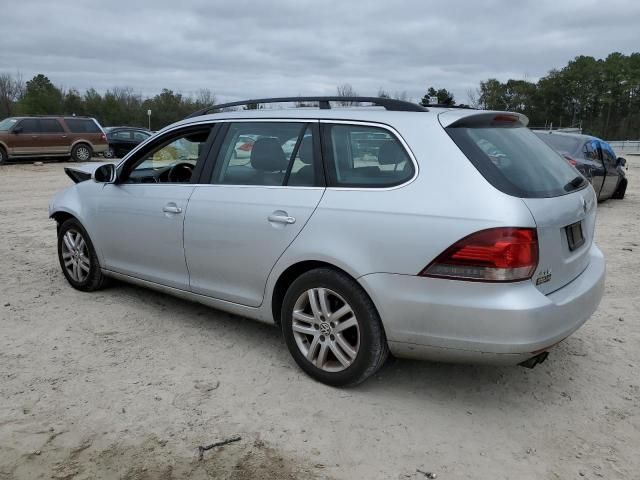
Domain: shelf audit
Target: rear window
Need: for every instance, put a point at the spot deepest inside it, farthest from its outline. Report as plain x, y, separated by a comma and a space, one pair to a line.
82, 125
514, 160
561, 143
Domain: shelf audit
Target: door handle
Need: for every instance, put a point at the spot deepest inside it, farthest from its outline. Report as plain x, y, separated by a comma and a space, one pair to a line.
277, 218
172, 208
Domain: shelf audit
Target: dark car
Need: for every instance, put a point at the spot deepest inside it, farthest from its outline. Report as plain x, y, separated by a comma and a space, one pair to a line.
594, 158
123, 139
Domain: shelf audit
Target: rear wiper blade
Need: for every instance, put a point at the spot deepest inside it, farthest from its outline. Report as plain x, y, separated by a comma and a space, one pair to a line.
575, 183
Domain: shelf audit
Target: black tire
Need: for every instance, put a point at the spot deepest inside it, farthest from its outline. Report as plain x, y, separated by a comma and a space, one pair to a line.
81, 152
94, 279
373, 349
621, 190
3, 156
109, 153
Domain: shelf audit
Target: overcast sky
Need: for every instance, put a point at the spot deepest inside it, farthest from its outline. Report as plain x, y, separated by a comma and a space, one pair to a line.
242, 49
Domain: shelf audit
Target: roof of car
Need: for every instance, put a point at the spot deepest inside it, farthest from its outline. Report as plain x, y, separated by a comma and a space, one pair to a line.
580, 136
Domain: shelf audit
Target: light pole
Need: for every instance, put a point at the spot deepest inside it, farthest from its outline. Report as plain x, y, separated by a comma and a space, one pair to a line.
149, 116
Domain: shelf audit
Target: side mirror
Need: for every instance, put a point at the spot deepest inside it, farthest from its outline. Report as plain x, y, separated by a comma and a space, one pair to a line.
105, 173
17, 130
621, 162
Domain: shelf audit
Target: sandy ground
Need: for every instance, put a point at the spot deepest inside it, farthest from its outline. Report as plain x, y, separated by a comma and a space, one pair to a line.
127, 383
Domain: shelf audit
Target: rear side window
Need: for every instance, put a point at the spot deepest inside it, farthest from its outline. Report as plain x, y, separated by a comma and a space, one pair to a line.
514, 160
82, 125
266, 153
50, 125
364, 156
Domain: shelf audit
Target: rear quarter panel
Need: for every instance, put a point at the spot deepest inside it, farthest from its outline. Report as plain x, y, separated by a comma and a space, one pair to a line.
401, 230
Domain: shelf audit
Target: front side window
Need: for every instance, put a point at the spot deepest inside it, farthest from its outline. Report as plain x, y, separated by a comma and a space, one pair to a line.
121, 135
590, 151
170, 161
30, 125
607, 154
364, 156
50, 125
140, 136
266, 153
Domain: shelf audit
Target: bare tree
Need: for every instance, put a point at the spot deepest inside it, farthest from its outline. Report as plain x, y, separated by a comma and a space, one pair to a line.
401, 96
473, 97
346, 90
11, 90
205, 98
382, 93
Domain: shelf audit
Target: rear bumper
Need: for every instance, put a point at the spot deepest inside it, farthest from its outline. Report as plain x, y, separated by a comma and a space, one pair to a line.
100, 147
450, 320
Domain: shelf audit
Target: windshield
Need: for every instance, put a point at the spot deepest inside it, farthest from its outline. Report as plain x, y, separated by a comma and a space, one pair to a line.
7, 123
516, 161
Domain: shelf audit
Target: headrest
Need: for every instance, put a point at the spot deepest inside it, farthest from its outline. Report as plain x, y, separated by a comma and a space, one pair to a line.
305, 152
267, 155
391, 153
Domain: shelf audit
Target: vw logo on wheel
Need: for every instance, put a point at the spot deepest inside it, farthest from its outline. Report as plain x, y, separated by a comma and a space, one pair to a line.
325, 328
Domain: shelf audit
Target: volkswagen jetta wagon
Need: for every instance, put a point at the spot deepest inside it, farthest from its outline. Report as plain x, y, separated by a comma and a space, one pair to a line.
431, 233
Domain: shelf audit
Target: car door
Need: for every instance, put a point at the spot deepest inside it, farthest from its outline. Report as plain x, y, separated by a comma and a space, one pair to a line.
610, 163
53, 138
140, 217
255, 205
121, 141
593, 161
26, 137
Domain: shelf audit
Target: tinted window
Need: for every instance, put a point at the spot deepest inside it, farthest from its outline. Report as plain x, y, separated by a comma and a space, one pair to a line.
515, 160
140, 136
560, 143
121, 135
30, 125
363, 156
50, 125
590, 151
264, 153
82, 125
607, 153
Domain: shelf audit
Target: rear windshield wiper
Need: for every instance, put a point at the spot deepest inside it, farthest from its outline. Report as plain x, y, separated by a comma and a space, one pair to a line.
575, 183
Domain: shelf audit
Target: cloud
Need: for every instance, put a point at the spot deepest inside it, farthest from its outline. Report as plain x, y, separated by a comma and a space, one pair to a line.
245, 49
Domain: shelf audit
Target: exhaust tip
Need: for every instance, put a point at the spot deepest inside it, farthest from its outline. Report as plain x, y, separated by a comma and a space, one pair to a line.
533, 361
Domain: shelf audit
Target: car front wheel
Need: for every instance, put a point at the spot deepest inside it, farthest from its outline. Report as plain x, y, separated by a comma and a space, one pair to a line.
332, 329
78, 257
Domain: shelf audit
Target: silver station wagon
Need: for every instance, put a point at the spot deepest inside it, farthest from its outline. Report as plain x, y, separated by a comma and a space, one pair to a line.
383, 227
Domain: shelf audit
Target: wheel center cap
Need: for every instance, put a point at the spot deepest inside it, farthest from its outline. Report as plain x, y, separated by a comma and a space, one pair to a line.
325, 328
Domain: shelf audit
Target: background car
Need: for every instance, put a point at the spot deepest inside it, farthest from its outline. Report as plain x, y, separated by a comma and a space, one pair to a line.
123, 139
594, 158
51, 136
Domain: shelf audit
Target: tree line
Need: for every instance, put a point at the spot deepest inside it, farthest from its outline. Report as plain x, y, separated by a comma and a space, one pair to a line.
601, 96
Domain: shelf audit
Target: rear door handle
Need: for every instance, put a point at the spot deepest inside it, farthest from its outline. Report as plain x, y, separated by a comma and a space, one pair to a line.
171, 208
281, 218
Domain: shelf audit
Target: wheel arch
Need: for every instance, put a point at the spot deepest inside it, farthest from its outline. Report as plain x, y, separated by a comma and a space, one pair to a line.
291, 273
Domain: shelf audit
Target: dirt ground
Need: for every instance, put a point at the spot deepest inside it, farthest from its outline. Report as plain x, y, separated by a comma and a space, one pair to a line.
127, 383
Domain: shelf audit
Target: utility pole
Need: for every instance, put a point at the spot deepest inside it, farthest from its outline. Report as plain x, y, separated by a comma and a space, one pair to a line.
149, 116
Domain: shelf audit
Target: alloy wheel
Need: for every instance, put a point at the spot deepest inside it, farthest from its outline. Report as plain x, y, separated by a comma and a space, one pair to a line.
83, 153
326, 329
75, 255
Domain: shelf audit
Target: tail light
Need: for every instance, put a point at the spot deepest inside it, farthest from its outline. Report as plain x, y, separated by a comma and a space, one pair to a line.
103, 137
571, 160
506, 254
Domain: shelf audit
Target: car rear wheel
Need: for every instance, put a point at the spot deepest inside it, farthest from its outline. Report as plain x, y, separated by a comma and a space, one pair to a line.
332, 329
81, 153
78, 258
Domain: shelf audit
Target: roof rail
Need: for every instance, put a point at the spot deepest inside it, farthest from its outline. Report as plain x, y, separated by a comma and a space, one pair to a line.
323, 102
444, 105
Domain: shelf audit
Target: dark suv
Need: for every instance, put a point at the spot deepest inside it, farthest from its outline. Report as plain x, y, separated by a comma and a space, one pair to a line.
25, 137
